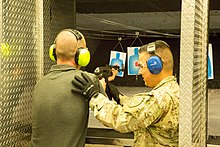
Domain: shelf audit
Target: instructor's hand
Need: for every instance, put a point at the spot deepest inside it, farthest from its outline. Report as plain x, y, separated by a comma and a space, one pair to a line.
85, 86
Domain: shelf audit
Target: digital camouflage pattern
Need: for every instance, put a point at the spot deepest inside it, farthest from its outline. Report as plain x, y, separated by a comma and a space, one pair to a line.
152, 116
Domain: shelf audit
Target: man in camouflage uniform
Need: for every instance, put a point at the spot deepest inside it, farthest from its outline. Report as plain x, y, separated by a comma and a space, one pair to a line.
152, 116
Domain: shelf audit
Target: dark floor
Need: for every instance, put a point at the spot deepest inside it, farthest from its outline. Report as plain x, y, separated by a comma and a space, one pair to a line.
214, 140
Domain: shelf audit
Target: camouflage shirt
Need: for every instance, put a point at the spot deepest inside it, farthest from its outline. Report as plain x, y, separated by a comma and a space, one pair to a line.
152, 116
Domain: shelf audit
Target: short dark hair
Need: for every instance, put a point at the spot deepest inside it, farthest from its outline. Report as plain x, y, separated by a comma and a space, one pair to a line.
162, 49
158, 44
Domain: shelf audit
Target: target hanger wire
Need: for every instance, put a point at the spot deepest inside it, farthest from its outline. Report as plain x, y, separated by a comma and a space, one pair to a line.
119, 43
137, 37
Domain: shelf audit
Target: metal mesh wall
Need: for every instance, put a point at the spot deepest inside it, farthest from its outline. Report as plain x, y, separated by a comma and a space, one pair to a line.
28, 28
58, 15
18, 70
48, 39
193, 73
39, 37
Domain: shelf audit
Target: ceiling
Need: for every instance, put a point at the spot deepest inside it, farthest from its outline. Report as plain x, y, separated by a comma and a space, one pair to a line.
107, 18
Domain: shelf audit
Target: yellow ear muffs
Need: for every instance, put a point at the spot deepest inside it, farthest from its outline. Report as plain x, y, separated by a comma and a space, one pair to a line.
82, 57
52, 52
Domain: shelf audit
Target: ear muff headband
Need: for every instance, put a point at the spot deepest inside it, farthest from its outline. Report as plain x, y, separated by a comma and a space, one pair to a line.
74, 32
82, 56
154, 63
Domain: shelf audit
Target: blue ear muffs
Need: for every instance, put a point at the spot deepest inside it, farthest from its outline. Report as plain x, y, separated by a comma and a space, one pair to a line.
154, 64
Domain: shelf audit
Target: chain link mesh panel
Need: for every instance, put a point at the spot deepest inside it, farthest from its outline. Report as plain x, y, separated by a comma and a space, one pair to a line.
39, 37
48, 39
58, 15
18, 71
21, 59
193, 73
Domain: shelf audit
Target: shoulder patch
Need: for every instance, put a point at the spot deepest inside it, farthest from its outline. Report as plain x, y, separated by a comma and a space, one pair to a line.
135, 101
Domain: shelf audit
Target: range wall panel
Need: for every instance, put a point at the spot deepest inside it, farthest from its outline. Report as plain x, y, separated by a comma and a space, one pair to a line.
27, 29
193, 73
18, 70
58, 15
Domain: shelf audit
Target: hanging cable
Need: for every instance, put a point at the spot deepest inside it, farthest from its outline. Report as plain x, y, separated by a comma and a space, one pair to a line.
137, 37
99, 38
110, 22
119, 43
116, 33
